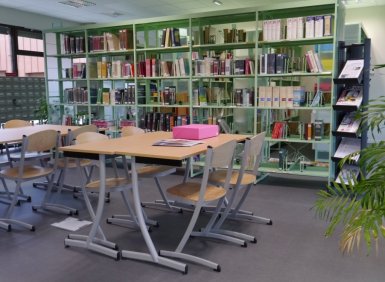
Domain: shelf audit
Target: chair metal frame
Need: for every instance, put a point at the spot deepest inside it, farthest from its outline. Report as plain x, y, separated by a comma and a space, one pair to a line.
201, 194
43, 141
244, 178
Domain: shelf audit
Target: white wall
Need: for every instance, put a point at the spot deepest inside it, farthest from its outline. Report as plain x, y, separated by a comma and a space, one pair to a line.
29, 20
373, 20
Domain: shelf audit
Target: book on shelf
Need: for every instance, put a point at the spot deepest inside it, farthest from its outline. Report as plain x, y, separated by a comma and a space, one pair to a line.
318, 26
352, 69
317, 99
126, 39
308, 131
351, 96
349, 123
113, 42
318, 130
328, 25
348, 173
348, 146
309, 27
279, 130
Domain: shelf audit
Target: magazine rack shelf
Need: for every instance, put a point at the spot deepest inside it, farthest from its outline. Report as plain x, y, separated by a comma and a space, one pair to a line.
205, 68
353, 94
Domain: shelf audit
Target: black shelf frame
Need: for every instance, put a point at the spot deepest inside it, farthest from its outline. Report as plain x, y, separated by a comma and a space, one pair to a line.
344, 53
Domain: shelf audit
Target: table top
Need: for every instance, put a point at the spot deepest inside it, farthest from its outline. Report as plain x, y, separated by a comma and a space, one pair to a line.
141, 145
8, 135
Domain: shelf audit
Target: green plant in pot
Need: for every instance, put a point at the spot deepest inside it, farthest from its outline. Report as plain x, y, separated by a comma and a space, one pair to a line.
42, 111
359, 205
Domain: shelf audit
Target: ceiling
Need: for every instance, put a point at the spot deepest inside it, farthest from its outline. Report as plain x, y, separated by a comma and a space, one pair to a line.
102, 11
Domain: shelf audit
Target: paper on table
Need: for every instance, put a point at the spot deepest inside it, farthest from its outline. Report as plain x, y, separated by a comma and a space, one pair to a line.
71, 224
177, 142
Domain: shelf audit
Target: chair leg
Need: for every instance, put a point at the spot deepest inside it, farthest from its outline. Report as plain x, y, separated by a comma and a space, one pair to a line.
130, 218
46, 205
239, 214
7, 221
178, 251
164, 203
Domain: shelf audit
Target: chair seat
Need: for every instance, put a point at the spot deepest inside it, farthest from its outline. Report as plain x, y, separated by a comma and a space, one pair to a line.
72, 163
219, 176
30, 172
190, 191
151, 170
110, 183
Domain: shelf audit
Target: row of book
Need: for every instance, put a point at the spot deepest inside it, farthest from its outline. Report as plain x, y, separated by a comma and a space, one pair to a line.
155, 67
117, 96
108, 41
272, 63
287, 97
297, 28
213, 66
232, 35
77, 95
294, 129
203, 96
111, 69
78, 71
158, 121
170, 37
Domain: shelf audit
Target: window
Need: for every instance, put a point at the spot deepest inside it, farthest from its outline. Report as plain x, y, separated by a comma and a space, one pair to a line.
6, 55
21, 52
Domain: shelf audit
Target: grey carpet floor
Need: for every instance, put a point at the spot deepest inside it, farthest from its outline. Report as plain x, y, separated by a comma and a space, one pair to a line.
293, 249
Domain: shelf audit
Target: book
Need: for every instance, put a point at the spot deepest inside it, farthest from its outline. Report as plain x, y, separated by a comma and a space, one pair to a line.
317, 99
309, 27
348, 173
177, 143
328, 25
348, 146
318, 130
352, 69
349, 123
351, 96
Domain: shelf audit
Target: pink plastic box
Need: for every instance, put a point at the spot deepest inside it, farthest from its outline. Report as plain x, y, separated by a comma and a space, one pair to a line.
195, 131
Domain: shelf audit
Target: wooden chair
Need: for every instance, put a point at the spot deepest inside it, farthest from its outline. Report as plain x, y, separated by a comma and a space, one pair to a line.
43, 141
202, 193
153, 171
242, 179
72, 163
113, 184
148, 171
14, 123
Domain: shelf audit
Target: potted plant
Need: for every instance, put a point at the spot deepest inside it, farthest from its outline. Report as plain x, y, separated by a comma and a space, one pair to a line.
359, 205
42, 111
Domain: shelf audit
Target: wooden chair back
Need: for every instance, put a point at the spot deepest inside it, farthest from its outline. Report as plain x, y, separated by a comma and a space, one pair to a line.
252, 153
87, 137
41, 141
131, 130
73, 134
13, 123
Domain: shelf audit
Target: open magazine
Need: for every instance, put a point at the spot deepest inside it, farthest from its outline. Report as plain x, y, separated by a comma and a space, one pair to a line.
177, 142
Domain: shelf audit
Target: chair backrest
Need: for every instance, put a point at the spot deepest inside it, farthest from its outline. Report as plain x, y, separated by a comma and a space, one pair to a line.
13, 123
218, 157
252, 153
41, 141
131, 130
87, 137
73, 134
